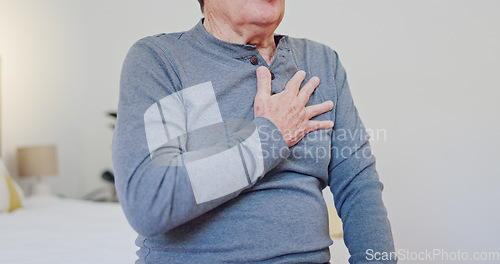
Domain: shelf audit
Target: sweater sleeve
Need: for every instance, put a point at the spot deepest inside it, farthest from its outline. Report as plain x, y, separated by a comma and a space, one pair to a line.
169, 171
354, 181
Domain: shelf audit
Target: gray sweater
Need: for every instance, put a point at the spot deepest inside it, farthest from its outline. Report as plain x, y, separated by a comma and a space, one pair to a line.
203, 181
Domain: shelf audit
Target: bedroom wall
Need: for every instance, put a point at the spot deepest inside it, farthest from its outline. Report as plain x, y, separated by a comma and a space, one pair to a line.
423, 75
61, 66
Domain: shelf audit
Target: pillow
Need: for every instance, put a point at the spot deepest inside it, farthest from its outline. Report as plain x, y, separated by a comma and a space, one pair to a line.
335, 224
11, 195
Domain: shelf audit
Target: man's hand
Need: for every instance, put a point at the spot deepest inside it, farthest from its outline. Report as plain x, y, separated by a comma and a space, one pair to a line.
287, 109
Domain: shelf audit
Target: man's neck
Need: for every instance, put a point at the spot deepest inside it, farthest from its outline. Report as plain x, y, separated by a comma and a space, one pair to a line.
262, 38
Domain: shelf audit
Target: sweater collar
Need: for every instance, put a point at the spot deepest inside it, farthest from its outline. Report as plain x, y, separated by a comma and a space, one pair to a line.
235, 50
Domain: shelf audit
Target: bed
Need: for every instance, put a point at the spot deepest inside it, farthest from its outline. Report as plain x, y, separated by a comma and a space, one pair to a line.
49, 229
53, 230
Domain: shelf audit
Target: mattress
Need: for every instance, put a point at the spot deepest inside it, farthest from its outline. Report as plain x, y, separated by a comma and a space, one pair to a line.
53, 230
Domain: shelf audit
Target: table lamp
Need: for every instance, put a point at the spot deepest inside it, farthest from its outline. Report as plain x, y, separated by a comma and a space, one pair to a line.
39, 161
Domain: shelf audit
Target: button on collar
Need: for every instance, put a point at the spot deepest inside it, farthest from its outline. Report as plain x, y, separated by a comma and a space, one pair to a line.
254, 60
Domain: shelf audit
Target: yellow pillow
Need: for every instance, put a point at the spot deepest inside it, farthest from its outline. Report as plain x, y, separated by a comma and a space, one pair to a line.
336, 230
11, 195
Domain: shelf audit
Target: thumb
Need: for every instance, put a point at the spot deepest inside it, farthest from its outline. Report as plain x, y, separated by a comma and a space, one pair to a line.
263, 81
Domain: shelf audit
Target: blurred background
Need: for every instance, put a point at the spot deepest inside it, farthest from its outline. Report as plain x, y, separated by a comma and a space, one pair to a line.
424, 76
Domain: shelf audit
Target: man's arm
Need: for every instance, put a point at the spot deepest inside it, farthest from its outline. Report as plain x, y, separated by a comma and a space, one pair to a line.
160, 182
354, 181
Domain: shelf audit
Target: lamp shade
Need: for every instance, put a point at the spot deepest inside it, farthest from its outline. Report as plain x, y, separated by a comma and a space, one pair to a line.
37, 161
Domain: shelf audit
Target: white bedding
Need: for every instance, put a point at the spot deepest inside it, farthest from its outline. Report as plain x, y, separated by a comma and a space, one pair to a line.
52, 230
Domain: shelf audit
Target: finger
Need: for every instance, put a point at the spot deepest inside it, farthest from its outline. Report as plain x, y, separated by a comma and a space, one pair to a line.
263, 81
293, 85
308, 89
314, 110
318, 125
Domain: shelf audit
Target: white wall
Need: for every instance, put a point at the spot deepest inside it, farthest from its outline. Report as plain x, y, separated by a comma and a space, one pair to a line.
61, 65
425, 72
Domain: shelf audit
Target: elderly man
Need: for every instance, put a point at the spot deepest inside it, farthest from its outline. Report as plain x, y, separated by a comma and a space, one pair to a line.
224, 143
